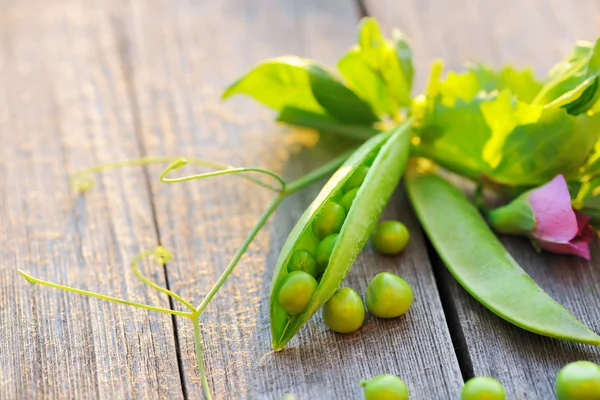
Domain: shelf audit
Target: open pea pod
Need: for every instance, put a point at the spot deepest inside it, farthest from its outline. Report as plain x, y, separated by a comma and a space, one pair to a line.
372, 173
481, 264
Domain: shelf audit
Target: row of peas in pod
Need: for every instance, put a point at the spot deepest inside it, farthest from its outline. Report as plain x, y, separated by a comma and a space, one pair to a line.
331, 233
579, 380
305, 268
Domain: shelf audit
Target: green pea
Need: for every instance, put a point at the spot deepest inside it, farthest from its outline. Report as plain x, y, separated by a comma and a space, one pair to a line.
482, 265
579, 380
303, 260
389, 237
357, 178
388, 296
329, 220
482, 388
324, 250
295, 291
385, 387
344, 312
348, 199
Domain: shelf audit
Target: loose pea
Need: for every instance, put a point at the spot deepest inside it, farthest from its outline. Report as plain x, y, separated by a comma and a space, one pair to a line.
483, 388
388, 296
295, 291
578, 380
324, 250
348, 199
330, 220
357, 178
303, 260
389, 237
344, 312
385, 387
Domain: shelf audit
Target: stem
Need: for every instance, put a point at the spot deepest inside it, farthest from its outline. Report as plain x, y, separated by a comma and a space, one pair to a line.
83, 181
198, 343
456, 167
31, 279
261, 222
180, 162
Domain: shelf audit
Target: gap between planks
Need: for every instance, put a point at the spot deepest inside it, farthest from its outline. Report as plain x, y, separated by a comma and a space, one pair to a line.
122, 40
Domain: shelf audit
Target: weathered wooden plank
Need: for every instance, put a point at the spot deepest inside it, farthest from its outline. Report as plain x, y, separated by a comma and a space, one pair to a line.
525, 33
65, 105
184, 53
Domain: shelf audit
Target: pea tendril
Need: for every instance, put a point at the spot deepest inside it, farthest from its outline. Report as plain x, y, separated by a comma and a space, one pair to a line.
83, 180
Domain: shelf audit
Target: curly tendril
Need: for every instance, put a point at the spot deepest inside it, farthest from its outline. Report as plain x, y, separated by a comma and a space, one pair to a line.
160, 256
225, 171
84, 180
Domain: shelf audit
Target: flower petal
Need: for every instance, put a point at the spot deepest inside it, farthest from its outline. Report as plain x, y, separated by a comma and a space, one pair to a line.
555, 219
576, 247
584, 229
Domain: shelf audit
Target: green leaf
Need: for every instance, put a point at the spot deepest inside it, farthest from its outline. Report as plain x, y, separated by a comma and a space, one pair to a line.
573, 82
368, 83
557, 143
458, 86
278, 83
378, 69
503, 114
339, 101
404, 54
301, 83
522, 83
454, 136
324, 123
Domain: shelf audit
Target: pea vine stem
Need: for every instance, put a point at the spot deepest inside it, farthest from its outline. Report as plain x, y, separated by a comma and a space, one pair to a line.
198, 343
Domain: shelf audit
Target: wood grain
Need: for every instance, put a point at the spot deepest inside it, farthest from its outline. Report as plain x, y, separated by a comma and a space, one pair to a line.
536, 33
183, 54
64, 105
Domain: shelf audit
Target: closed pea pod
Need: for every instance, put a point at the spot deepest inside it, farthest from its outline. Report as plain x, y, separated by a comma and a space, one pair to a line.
482, 265
387, 154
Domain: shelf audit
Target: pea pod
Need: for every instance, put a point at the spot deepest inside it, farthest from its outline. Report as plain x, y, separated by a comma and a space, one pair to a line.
482, 265
385, 155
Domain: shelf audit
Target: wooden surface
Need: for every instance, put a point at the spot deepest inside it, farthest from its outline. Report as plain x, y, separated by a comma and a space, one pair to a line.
86, 82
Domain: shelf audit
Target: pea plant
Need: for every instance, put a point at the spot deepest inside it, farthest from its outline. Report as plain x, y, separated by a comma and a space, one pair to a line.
534, 142
83, 181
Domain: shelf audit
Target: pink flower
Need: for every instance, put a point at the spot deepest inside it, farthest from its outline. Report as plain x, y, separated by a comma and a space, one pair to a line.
545, 215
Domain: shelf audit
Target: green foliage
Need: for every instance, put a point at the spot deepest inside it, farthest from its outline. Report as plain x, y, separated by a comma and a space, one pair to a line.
500, 126
377, 75
480, 124
378, 69
573, 82
303, 84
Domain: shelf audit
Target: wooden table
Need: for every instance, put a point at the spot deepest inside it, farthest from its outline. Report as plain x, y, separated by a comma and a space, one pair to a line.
87, 82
